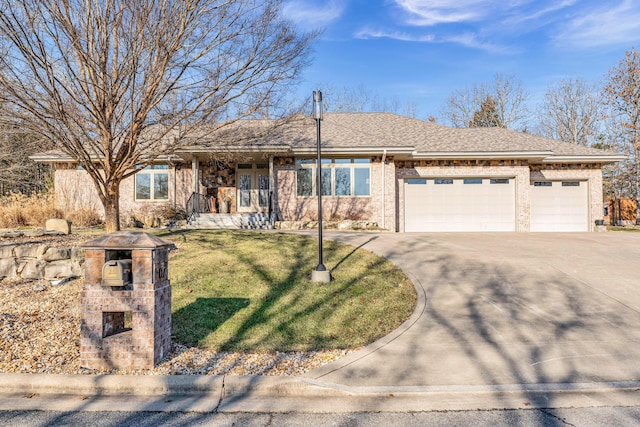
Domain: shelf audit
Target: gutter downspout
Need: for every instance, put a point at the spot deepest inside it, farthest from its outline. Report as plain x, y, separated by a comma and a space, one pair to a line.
384, 158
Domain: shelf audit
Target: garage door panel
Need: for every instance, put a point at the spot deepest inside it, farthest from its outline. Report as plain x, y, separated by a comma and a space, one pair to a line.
460, 206
558, 207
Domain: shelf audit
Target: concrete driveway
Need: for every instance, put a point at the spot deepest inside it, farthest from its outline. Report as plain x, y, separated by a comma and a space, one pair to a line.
505, 309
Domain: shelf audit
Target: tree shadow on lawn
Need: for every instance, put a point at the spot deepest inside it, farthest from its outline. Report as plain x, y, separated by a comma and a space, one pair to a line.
283, 298
196, 321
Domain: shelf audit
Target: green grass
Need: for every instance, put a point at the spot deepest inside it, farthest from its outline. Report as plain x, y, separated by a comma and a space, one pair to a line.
630, 228
251, 291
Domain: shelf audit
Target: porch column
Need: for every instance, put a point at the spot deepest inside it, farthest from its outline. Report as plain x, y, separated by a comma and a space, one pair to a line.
194, 174
271, 184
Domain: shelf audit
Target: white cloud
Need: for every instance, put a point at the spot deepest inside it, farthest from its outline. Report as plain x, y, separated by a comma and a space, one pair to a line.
314, 14
535, 13
602, 26
367, 33
432, 12
471, 40
468, 39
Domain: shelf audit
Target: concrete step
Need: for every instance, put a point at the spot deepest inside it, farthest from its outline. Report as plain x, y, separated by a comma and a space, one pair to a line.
250, 221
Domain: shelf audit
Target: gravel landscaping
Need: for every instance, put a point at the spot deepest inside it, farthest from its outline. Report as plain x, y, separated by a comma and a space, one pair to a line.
40, 333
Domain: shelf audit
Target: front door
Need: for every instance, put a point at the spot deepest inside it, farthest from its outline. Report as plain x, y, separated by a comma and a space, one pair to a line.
253, 188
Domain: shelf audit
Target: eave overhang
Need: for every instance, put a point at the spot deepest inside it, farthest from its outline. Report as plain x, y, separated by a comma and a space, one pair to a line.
356, 151
531, 156
585, 159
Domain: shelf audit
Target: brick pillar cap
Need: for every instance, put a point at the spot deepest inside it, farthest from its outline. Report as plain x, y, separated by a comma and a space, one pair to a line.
121, 240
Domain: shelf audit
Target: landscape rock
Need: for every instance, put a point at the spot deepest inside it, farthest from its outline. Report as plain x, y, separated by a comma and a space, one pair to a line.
77, 253
30, 251
11, 234
57, 270
56, 254
8, 268
6, 251
31, 268
60, 225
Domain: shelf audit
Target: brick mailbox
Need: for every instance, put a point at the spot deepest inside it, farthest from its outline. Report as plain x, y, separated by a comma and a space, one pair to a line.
126, 302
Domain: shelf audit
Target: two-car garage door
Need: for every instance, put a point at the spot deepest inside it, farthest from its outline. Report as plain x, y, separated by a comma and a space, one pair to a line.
460, 204
489, 204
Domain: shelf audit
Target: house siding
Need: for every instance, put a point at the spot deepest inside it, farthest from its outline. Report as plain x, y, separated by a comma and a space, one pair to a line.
74, 190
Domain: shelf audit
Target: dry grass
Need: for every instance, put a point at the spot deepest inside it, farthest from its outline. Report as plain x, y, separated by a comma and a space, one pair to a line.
19, 210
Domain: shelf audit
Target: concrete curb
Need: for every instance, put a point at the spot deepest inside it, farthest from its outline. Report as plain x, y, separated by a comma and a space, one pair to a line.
140, 385
261, 394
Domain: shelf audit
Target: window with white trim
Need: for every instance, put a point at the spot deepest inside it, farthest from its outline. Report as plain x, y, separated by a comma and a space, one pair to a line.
340, 177
152, 183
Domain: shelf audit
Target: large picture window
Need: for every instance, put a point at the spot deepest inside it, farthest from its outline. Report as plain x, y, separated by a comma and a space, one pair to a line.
340, 177
152, 183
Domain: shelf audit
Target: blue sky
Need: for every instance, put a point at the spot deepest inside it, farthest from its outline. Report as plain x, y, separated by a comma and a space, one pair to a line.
422, 50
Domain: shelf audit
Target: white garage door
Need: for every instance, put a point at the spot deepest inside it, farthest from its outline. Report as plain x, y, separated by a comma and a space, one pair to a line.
469, 204
559, 206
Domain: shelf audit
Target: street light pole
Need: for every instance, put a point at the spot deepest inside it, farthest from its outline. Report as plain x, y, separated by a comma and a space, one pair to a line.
320, 274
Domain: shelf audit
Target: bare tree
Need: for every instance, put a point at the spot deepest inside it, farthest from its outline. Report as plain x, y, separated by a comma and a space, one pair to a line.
360, 99
461, 105
18, 173
117, 83
571, 112
622, 95
508, 95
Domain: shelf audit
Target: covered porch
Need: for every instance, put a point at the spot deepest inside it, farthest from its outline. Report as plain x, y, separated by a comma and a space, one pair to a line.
231, 190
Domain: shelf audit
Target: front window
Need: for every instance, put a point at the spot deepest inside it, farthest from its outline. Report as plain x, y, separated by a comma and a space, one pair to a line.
152, 183
340, 177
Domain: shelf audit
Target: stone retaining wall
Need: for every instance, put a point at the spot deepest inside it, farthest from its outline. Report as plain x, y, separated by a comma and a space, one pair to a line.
40, 261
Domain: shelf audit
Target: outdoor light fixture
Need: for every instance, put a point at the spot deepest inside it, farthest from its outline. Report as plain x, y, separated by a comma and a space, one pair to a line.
320, 274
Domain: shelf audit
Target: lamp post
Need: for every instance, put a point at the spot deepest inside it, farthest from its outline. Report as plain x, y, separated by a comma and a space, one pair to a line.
320, 274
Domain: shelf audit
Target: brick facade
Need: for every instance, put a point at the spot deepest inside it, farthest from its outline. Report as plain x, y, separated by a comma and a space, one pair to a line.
385, 206
75, 190
290, 207
106, 340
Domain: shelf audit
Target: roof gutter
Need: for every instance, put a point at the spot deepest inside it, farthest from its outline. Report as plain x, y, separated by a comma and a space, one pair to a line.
355, 150
235, 149
585, 159
65, 158
488, 155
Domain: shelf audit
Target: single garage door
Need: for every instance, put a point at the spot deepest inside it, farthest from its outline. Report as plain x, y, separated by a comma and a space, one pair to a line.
460, 204
559, 206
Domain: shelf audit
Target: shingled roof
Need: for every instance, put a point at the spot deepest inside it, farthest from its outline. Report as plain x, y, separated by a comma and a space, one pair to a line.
420, 139
375, 133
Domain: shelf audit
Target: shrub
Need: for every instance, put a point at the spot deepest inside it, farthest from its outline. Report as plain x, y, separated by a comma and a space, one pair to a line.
84, 218
168, 213
19, 210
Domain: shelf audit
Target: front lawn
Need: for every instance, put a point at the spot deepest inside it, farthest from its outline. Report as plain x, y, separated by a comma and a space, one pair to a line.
251, 291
